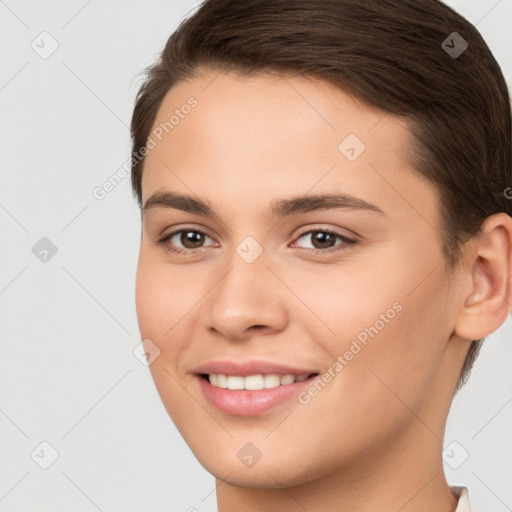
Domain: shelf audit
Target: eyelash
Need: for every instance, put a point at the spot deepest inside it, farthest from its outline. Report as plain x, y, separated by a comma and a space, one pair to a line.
347, 242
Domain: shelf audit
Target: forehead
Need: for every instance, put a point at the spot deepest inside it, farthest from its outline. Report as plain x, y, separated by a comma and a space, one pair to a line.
255, 138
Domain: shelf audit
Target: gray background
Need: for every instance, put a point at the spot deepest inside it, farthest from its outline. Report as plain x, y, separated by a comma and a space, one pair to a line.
68, 375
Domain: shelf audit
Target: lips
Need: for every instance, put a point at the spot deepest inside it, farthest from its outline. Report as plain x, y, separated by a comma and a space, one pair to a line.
243, 369
225, 384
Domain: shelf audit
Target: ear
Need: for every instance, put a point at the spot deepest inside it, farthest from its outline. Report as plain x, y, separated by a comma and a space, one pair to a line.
486, 306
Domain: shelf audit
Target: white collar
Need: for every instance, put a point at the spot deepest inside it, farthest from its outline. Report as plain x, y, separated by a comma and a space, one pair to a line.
462, 494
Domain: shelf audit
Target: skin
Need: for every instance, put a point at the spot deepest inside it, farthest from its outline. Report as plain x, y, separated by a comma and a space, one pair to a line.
373, 437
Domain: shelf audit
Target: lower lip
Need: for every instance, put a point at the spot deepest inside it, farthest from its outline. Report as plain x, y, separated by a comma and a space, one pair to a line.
243, 402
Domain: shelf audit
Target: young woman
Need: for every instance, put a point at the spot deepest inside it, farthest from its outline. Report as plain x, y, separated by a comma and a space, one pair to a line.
326, 244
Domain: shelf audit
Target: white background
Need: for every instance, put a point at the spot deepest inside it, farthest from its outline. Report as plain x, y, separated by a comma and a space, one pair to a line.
68, 326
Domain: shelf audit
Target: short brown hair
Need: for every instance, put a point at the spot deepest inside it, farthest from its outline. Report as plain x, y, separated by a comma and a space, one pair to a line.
388, 54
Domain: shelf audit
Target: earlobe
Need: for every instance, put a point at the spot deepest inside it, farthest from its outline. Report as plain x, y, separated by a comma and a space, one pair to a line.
488, 303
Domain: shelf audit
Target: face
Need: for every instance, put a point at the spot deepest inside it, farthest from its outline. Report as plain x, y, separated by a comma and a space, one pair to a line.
253, 274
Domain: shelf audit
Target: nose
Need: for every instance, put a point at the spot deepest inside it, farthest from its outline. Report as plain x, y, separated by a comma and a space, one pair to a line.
248, 299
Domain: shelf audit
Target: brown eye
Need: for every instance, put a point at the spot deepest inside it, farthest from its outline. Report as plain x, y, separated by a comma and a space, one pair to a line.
191, 239
324, 240
184, 241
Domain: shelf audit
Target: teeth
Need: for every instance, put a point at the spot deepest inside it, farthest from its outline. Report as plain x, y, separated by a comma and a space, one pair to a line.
254, 382
235, 382
287, 379
272, 381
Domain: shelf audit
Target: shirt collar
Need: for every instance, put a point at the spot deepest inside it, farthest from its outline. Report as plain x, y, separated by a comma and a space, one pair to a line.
463, 496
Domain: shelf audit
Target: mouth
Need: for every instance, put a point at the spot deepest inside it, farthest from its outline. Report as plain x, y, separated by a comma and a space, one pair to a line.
254, 382
252, 395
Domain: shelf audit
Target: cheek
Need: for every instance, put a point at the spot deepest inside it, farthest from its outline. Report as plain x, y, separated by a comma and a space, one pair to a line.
158, 313
161, 312
381, 380
167, 298
401, 347
162, 296
339, 304
148, 299
388, 325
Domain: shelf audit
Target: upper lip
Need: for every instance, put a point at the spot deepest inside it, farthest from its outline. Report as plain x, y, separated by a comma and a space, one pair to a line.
243, 369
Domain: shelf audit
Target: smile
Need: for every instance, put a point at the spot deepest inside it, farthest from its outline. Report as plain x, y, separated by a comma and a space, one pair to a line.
251, 395
254, 382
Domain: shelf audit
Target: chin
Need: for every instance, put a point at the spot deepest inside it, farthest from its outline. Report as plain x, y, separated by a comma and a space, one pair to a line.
269, 472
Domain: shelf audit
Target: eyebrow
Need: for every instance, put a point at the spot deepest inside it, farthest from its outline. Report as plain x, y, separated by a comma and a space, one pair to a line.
278, 207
